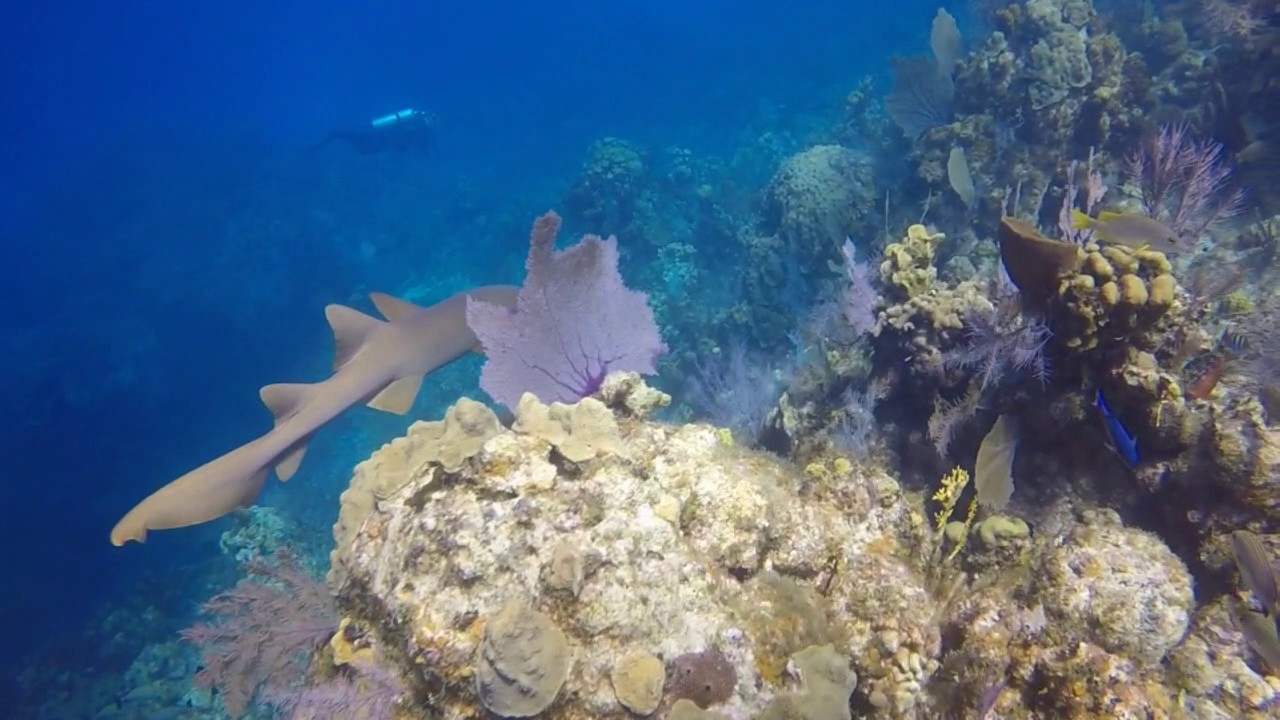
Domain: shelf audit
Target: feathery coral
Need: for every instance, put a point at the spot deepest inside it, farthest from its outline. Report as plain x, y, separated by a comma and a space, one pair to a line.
267, 629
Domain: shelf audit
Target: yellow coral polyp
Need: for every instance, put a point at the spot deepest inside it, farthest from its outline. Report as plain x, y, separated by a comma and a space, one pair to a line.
344, 652
1132, 290
1238, 302
948, 494
1120, 258
1163, 290
1109, 294
1097, 266
1153, 260
908, 265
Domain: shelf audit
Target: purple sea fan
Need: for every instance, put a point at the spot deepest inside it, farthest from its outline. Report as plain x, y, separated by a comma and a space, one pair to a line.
858, 301
1184, 183
370, 692
574, 322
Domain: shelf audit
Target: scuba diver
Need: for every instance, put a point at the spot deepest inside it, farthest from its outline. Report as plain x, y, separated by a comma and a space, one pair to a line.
400, 132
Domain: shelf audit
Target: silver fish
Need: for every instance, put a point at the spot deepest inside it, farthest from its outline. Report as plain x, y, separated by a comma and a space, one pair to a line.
1256, 569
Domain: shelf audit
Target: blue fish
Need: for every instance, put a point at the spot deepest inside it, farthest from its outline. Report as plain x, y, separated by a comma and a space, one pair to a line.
1122, 441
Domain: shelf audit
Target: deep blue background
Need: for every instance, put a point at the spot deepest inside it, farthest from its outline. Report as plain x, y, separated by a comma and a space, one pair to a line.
132, 346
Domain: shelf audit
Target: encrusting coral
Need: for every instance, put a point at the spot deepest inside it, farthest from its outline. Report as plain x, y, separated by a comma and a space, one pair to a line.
675, 536
672, 573
918, 308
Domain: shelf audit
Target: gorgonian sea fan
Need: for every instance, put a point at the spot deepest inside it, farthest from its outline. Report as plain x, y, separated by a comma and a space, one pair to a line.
574, 322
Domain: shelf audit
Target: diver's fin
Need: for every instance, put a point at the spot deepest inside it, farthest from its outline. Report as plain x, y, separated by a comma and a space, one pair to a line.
392, 308
284, 399
397, 397
289, 463
1080, 220
350, 329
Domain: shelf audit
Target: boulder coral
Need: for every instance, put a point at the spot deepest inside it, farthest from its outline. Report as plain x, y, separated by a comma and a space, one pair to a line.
817, 198
670, 544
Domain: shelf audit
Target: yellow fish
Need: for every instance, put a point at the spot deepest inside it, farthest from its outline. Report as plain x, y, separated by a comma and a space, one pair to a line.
1132, 229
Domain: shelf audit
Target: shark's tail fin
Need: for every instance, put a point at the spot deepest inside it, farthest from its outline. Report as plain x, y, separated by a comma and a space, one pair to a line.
206, 493
222, 484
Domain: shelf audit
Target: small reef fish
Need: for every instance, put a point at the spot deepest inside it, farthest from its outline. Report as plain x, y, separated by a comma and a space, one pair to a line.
1203, 387
1230, 345
1259, 575
1122, 441
1260, 632
1132, 229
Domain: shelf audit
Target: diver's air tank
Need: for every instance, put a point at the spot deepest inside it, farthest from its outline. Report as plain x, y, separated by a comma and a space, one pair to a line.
394, 117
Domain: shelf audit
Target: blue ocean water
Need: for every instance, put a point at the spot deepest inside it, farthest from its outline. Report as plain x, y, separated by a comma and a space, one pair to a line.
169, 242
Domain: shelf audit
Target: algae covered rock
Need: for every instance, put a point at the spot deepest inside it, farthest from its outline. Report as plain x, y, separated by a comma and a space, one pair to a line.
443, 445
1118, 587
826, 684
654, 546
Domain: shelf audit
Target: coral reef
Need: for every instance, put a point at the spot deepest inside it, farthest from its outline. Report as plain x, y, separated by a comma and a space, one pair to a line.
919, 308
817, 198
671, 572
593, 544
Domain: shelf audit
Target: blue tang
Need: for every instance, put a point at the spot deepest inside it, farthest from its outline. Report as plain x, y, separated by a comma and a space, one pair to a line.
1122, 440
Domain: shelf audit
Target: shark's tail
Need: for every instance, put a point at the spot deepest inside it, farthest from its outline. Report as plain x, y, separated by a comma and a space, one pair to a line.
235, 479
225, 483
206, 493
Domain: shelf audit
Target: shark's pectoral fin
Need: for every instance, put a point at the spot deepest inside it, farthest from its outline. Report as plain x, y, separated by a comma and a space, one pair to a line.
397, 397
284, 399
393, 308
290, 461
350, 330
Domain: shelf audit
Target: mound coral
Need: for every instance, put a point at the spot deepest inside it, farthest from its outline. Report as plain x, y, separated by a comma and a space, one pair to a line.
817, 198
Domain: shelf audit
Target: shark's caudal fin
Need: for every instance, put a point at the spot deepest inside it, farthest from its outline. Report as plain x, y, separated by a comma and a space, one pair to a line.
206, 493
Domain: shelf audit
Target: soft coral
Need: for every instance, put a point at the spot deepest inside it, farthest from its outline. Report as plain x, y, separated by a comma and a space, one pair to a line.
574, 322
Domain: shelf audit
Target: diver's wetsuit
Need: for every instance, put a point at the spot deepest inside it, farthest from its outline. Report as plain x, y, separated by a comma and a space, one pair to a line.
404, 132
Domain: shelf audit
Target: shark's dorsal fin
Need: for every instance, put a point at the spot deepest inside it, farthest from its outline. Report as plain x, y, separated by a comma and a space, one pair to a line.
350, 329
397, 397
284, 399
392, 308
